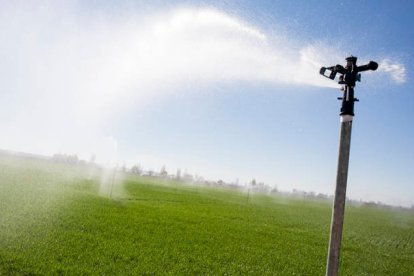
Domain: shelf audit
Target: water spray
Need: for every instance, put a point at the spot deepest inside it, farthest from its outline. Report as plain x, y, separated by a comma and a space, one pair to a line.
349, 75
113, 180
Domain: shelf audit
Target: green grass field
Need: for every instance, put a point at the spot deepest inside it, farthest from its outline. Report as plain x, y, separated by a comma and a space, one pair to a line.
61, 219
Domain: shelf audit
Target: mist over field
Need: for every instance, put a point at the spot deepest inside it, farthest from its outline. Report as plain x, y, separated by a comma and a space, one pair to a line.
77, 218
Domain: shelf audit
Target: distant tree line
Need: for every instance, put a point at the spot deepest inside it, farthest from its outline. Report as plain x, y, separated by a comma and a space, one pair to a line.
66, 158
252, 187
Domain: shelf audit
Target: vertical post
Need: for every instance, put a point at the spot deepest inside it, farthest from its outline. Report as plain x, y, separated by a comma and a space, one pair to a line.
349, 76
340, 196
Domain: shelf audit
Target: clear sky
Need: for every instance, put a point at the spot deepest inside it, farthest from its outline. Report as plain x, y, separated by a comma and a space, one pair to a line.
223, 89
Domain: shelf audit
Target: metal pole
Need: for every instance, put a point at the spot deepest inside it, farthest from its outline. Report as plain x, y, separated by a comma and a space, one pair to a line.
349, 76
340, 196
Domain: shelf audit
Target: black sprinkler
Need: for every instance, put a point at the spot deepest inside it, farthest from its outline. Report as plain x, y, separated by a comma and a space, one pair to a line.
350, 74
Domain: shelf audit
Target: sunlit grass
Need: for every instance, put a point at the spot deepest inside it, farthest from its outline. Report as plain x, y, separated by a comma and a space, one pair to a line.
55, 221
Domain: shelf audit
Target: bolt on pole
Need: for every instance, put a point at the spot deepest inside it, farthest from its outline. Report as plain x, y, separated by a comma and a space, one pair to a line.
349, 76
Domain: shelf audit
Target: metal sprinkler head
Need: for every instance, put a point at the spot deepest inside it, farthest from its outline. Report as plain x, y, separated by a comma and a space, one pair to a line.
349, 75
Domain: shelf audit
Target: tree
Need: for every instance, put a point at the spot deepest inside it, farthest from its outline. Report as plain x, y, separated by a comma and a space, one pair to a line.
163, 172
69, 159
253, 183
136, 169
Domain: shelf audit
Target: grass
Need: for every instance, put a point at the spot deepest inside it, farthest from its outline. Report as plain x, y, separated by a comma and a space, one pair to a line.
55, 220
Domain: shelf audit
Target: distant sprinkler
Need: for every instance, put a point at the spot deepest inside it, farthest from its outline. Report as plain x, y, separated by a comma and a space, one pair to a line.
349, 75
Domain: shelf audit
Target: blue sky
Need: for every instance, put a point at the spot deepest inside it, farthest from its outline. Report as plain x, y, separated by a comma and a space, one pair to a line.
226, 90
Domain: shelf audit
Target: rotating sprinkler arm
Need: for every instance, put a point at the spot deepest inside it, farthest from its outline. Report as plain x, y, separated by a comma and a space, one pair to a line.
372, 65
